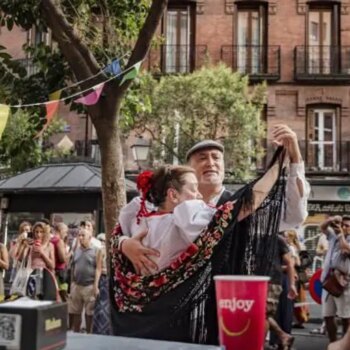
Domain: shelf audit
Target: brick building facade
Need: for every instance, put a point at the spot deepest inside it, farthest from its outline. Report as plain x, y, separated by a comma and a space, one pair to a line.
301, 48
78, 128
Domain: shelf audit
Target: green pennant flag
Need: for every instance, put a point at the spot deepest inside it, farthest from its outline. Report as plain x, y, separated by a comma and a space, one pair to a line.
4, 114
132, 73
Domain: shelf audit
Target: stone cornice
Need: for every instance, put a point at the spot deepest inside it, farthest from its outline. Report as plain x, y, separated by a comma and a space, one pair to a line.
302, 7
231, 4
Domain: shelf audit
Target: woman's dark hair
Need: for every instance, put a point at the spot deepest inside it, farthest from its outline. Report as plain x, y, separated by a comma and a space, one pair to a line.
165, 177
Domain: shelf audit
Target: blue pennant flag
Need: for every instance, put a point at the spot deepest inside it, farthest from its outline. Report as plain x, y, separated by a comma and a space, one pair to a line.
113, 68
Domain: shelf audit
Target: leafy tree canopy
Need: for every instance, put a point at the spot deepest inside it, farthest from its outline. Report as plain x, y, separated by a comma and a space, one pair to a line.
108, 27
20, 150
211, 103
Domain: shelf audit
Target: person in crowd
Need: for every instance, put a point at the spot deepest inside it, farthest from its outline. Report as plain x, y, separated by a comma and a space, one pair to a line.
23, 229
90, 226
60, 231
207, 160
4, 265
337, 230
86, 270
282, 264
321, 252
322, 245
101, 318
301, 312
40, 249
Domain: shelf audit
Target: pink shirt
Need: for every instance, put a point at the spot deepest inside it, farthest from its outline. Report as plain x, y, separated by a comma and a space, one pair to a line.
58, 265
37, 261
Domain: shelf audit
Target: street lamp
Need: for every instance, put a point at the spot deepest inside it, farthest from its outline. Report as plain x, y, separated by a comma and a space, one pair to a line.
140, 150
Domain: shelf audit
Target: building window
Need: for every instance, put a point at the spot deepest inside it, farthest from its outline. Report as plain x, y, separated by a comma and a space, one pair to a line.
323, 39
322, 130
251, 39
36, 37
177, 29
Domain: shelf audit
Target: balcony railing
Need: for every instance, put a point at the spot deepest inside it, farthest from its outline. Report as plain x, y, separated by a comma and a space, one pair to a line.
259, 62
322, 157
168, 59
322, 63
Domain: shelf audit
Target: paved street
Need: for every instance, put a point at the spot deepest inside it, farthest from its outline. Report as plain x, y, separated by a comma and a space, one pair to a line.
306, 341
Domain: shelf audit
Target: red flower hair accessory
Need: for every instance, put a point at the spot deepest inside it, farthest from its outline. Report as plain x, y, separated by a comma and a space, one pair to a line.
143, 183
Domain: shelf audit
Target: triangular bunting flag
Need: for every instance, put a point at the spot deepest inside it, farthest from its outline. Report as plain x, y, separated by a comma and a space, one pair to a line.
113, 68
132, 73
55, 95
92, 97
51, 109
4, 114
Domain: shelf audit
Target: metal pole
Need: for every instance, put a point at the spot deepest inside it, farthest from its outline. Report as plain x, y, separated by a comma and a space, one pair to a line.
86, 135
5, 227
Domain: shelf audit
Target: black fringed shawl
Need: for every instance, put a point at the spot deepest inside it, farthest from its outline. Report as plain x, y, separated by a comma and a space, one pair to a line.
178, 303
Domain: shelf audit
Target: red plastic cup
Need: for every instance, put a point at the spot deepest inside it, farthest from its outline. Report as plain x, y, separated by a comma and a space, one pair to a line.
241, 308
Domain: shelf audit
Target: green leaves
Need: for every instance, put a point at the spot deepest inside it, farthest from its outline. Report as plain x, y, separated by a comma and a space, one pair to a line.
210, 103
19, 149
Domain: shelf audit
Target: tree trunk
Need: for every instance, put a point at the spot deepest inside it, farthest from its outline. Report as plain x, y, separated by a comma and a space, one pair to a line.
112, 167
105, 114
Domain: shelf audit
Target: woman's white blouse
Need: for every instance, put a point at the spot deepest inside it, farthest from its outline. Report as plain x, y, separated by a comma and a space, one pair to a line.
169, 233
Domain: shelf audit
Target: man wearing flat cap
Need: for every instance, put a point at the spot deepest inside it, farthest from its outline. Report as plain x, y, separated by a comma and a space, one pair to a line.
207, 158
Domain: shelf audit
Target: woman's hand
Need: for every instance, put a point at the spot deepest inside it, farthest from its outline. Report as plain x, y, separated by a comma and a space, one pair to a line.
38, 249
139, 255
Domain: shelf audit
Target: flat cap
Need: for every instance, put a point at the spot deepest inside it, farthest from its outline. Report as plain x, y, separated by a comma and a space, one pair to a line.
203, 145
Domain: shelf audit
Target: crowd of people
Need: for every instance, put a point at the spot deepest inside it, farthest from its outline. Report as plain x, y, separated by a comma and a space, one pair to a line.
183, 229
73, 271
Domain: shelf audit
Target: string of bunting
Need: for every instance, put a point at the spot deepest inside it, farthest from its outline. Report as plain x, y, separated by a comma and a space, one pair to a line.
88, 100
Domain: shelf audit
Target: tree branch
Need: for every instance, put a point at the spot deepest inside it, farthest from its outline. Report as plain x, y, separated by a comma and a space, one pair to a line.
144, 39
76, 52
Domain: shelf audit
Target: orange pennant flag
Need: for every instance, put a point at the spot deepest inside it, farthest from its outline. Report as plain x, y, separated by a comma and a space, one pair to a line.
51, 109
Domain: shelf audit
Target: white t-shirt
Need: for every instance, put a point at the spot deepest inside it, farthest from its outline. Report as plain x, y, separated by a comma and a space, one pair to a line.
169, 233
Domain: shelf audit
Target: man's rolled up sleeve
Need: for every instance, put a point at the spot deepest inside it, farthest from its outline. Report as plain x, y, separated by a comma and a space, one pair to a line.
294, 211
